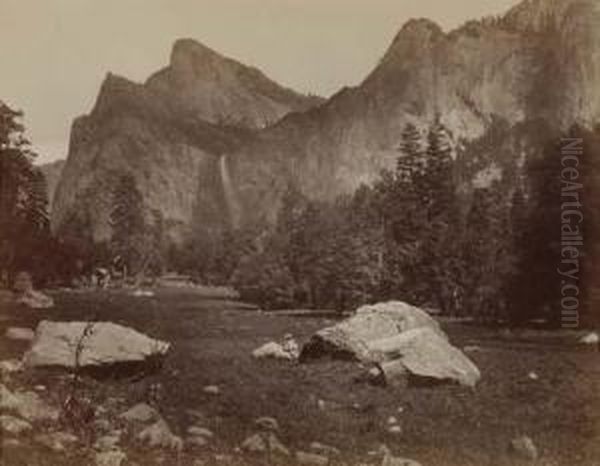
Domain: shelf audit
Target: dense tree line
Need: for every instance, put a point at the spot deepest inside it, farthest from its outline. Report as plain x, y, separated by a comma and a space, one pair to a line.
24, 224
470, 229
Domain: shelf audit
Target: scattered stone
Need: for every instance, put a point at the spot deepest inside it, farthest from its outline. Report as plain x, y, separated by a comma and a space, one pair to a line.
472, 349
108, 442
211, 390
394, 430
268, 424
524, 448
81, 344
390, 460
533, 376
26, 295
27, 404
590, 339
265, 443
392, 420
20, 334
195, 413
143, 293
110, 458
200, 432
141, 412
57, 441
14, 425
102, 425
40, 388
10, 365
272, 350
9, 443
197, 441
325, 450
311, 459
159, 435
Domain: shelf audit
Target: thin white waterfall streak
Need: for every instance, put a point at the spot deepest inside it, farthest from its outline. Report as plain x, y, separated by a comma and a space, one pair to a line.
229, 192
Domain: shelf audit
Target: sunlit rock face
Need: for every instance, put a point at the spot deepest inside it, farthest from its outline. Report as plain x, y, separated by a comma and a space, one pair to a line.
169, 133
539, 61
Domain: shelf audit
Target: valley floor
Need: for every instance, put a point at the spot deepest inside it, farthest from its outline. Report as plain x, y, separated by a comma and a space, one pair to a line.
322, 401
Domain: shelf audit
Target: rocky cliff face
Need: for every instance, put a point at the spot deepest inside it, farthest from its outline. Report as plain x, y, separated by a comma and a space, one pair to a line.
169, 133
541, 60
52, 172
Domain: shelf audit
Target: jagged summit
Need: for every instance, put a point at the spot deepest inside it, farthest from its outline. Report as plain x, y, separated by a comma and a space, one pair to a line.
539, 15
174, 130
222, 90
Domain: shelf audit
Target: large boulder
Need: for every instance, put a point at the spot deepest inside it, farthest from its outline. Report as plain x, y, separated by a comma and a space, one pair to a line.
350, 338
90, 344
400, 340
424, 354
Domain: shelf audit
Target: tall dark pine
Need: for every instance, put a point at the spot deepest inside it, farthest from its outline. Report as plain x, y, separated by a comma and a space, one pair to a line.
440, 251
127, 221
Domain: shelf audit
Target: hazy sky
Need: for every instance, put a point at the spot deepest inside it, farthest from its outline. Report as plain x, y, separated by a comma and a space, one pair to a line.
55, 53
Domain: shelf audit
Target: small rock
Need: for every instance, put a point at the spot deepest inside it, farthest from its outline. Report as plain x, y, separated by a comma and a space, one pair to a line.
27, 404
272, 350
323, 449
211, 390
472, 349
159, 435
196, 431
321, 405
311, 459
14, 425
263, 443
10, 365
20, 334
197, 441
110, 458
102, 425
267, 423
525, 448
108, 442
56, 441
9, 443
40, 388
392, 420
198, 416
35, 300
389, 460
533, 376
141, 412
394, 429
590, 339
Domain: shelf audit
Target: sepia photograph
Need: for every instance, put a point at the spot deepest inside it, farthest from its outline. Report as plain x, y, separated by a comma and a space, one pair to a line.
299, 232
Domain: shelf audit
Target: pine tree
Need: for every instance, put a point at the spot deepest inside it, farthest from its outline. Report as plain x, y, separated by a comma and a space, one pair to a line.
127, 220
411, 163
23, 201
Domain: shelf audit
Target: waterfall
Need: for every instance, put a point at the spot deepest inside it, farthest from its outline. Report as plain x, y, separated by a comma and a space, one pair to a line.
229, 193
